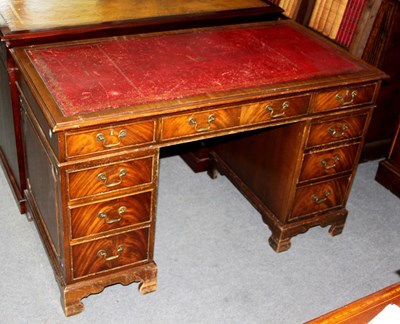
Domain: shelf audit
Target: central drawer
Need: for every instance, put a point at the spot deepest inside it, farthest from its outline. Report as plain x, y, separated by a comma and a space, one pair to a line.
274, 109
199, 123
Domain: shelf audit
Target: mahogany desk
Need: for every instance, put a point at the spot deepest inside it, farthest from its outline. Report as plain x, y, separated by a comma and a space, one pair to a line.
290, 111
26, 22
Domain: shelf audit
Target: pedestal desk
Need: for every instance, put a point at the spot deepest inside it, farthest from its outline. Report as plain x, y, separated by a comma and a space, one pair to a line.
27, 22
288, 110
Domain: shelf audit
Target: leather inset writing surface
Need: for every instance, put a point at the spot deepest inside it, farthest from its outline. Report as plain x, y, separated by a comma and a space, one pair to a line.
126, 71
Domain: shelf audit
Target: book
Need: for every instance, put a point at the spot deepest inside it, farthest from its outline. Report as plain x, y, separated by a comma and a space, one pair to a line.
348, 26
341, 7
316, 14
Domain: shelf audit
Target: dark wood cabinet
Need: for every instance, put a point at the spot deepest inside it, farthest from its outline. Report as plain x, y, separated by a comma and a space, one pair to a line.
388, 173
58, 20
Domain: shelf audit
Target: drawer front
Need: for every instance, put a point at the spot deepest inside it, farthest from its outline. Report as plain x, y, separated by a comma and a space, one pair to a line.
319, 197
110, 253
111, 177
199, 123
111, 215
274, 109
343, 97
109, 138
336, 130
328, 162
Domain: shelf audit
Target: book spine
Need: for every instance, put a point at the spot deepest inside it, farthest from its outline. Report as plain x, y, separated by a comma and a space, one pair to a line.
326, 10
316, 14
332, 15
349, 24
338, 18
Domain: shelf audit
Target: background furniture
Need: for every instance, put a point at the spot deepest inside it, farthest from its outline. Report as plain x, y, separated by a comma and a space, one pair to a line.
388, 173
364, 309
35, 22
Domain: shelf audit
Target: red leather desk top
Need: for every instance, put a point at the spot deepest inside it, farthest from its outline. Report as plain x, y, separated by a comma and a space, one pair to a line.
124, 71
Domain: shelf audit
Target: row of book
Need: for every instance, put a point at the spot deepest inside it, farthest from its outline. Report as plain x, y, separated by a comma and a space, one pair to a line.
336, 19
290, 6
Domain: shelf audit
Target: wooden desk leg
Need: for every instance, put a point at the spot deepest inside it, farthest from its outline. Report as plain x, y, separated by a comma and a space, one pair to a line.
71, 295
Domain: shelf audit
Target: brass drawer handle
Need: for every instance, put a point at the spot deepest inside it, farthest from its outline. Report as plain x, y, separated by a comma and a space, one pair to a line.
103, 215
337, 133
318, 200
103, 254
327, 166
103, 178
282, 112
100, 137
347, 98
192, 121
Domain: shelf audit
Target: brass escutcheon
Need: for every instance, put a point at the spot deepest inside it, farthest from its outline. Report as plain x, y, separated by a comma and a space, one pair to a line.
103, 254
318, 200
100, 137
192, 121
282, 111
327, 166
103, 215
103, 178
337, 133
347, 98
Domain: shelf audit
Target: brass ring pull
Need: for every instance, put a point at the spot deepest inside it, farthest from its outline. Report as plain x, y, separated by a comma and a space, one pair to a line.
348, 98
103, 254
327, 166
193, 122
100, 137
103, 215
319, 201
282, 112
337, 133
103, 177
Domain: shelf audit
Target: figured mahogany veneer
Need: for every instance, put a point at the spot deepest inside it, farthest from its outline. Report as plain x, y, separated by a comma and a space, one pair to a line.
108, 138
339, 98
110, 253
272, 98
111, 215
120, 176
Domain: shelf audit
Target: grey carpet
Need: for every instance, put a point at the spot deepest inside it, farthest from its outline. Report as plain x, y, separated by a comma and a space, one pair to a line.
215, 265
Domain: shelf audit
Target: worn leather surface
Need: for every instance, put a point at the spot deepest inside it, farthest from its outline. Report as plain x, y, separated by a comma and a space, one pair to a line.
125, 71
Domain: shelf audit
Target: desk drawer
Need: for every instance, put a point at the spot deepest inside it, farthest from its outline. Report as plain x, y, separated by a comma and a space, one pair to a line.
110, 177
319, 197
199, 123
336, 130
343, 97
108, 138
109, 253
274, 109
110, 215
328, 162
